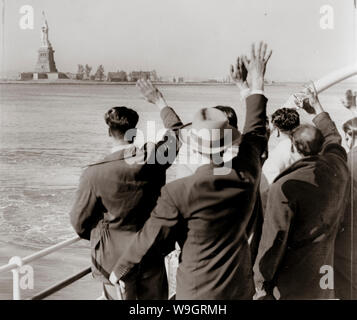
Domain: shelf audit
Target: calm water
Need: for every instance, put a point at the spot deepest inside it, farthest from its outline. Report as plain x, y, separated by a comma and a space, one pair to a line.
48, 133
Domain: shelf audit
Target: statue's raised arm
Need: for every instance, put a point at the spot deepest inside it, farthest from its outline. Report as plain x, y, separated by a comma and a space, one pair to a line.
44, 34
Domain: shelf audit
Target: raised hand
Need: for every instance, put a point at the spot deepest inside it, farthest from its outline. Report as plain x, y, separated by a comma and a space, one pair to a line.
239, 74
308, 100
151, 93
256, 66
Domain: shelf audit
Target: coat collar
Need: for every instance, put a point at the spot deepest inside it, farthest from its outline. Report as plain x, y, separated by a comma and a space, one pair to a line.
121, 147
126, 153
302, 163
208, 167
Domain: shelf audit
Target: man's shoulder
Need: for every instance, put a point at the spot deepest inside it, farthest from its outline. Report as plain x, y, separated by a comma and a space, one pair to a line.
299, 170
180, 190
179, 184
118, 166
281, 179
88, 171
287, 183
310, 167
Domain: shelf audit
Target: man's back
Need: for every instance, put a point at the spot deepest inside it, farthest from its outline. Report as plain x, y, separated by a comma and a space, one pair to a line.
303, 214
215, 209
315, 190
127, 186
115, 198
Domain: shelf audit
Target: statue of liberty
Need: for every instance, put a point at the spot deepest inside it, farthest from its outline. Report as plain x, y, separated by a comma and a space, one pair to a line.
44, 34
45, 62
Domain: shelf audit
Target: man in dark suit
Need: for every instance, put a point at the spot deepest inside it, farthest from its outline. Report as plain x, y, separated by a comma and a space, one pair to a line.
305, 205
208, 212
116, 195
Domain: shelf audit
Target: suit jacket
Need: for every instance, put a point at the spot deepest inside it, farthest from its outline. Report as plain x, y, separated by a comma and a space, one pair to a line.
208, 213
115, 198
303, 214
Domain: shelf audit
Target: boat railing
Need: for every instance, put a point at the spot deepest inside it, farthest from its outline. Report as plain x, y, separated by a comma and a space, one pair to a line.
19, 265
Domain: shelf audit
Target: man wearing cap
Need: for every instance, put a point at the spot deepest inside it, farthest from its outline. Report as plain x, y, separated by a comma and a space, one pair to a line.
207, 213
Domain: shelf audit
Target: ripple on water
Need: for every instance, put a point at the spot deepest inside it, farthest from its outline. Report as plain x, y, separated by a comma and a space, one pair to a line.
34, 217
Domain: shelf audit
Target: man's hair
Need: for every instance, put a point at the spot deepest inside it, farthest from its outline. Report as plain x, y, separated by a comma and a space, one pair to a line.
230, 114
285, 119
308, 140
120, 120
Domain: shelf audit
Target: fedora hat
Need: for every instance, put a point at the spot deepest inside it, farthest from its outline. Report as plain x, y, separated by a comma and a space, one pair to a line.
209, 132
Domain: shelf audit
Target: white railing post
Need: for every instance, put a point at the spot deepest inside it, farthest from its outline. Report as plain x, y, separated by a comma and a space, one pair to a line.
16, 290
23, 273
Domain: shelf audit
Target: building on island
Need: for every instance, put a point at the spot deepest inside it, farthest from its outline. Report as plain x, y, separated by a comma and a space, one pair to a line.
119, 76
149, 75
122, 76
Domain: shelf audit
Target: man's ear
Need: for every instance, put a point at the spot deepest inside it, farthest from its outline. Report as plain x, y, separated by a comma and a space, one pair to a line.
130, 135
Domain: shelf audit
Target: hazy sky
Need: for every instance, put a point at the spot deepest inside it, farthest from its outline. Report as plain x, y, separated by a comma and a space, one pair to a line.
183, 37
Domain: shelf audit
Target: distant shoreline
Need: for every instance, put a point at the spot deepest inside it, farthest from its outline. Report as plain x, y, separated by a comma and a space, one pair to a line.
92, 82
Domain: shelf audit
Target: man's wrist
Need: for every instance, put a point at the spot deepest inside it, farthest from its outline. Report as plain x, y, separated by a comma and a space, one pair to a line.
242, 85
258, 85
256, 92
161, 103
318, 108
244, 93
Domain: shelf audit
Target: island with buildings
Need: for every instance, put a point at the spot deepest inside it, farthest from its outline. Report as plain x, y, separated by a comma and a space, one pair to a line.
45, 71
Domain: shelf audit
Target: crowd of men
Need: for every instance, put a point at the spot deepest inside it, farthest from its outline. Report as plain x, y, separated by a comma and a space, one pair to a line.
250, 223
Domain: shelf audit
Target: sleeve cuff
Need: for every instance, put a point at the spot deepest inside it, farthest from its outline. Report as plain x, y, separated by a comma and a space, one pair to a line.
245, 93
165, 112
121, 271
324, 122
169, 117
320, 117
256, 92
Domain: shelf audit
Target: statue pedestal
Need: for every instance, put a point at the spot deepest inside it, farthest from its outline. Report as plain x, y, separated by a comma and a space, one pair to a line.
45, 61
52, 76
46, 76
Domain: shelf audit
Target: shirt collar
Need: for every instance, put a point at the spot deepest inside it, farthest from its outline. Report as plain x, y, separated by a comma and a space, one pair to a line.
121, 147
